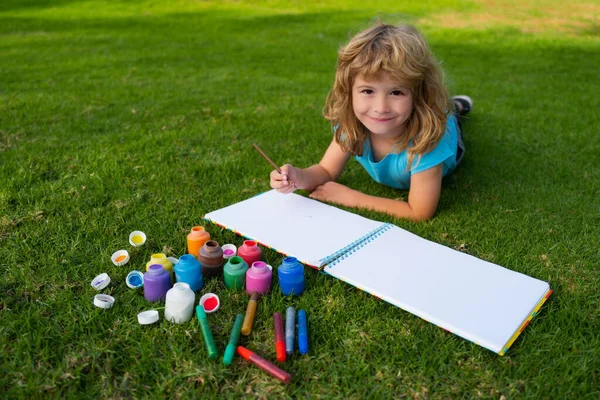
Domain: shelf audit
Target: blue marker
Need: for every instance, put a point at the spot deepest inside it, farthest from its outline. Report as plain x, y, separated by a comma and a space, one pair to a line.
290, 328
302, 332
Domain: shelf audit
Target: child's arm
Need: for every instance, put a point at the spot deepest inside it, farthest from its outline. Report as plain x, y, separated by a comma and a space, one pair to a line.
328, 169
425, 189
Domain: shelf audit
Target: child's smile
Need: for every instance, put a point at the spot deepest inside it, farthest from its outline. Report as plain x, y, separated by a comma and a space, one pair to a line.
381, 105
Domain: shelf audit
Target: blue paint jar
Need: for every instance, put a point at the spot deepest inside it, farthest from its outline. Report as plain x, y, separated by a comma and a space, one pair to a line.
291, 276
188, 270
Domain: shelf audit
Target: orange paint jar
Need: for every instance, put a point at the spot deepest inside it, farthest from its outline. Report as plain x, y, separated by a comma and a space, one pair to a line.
196, 239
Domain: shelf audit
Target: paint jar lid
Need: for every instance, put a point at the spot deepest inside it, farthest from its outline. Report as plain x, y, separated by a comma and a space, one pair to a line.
210, 302
229, 250
103, 301
148, 317
137, 238
135, 279
173, 260
101, 281
120, 257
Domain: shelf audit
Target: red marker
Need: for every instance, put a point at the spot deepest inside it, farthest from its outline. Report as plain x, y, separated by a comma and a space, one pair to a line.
279, 338
264, 364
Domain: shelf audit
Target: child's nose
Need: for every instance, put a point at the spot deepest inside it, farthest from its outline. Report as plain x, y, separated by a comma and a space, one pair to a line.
381, 105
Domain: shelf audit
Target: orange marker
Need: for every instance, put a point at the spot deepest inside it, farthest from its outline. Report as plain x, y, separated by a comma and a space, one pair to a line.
279, 338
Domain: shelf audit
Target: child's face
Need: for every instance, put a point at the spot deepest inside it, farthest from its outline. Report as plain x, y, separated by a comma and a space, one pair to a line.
381, 105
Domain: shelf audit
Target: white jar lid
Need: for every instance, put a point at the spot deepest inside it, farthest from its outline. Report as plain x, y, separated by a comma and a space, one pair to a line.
104, 301
137, 238
173, 260
207, 296
134, 279
229, 250
101, 281
120, 257
148, 317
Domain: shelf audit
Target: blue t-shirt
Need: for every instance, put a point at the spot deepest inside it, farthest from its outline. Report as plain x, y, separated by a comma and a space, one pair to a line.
392, 171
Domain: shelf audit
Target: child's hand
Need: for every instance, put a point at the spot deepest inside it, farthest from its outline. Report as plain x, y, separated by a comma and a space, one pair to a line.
284, 182
336, 193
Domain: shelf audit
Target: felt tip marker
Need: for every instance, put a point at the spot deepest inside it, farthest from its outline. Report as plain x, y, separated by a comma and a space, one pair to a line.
279, 342
209, 341
263, 364
233, 339
302, 332
290, 328
250, 312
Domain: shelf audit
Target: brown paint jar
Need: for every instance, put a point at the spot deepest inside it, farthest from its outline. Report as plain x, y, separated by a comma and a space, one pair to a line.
211, 259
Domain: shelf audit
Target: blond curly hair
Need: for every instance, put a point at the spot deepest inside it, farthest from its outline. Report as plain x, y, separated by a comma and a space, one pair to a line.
403, 55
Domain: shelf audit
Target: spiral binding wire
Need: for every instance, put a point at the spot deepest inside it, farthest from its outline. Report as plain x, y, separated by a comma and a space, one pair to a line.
356, 245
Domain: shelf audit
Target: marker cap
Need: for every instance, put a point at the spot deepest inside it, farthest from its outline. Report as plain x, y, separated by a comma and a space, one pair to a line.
101, 281
104, 301
120, 257
244, 352
148, 317
280, 351
229, 352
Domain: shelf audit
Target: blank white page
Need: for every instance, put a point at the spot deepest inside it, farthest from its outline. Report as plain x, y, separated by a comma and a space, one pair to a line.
475, 299
294, 225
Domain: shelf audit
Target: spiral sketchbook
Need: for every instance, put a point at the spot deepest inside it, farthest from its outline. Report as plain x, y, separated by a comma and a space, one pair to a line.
477, 300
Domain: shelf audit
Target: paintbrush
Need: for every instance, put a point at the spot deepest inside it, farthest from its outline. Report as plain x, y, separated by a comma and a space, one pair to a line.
262, 153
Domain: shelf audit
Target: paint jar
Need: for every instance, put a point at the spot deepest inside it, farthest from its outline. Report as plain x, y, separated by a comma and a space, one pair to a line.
189, 270
157, 282
196, 239
258, 278
211, 258
291, 276
234, 273
250, 251
161, 258
179, 303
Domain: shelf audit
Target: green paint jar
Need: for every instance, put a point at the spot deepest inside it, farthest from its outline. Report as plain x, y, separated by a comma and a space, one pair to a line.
234, 273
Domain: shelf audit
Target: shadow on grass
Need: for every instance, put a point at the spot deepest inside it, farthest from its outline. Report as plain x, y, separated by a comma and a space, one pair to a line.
16, 5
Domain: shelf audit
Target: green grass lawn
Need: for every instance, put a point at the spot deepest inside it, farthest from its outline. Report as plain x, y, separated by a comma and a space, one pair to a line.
125, 115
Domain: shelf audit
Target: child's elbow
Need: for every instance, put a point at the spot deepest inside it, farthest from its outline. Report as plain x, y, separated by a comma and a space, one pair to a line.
420, 218
422, 215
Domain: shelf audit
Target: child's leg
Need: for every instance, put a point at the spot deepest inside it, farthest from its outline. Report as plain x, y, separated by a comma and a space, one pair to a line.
460, 151
463, 104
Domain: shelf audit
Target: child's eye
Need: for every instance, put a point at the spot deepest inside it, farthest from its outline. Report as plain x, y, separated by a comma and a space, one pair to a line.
367, 91
398, 93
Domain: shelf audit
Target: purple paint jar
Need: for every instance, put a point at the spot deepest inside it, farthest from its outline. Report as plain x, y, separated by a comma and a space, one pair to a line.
258, 278
157, 282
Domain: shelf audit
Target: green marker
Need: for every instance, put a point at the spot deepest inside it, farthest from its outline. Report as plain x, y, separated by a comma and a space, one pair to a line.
209, 341
233, 339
